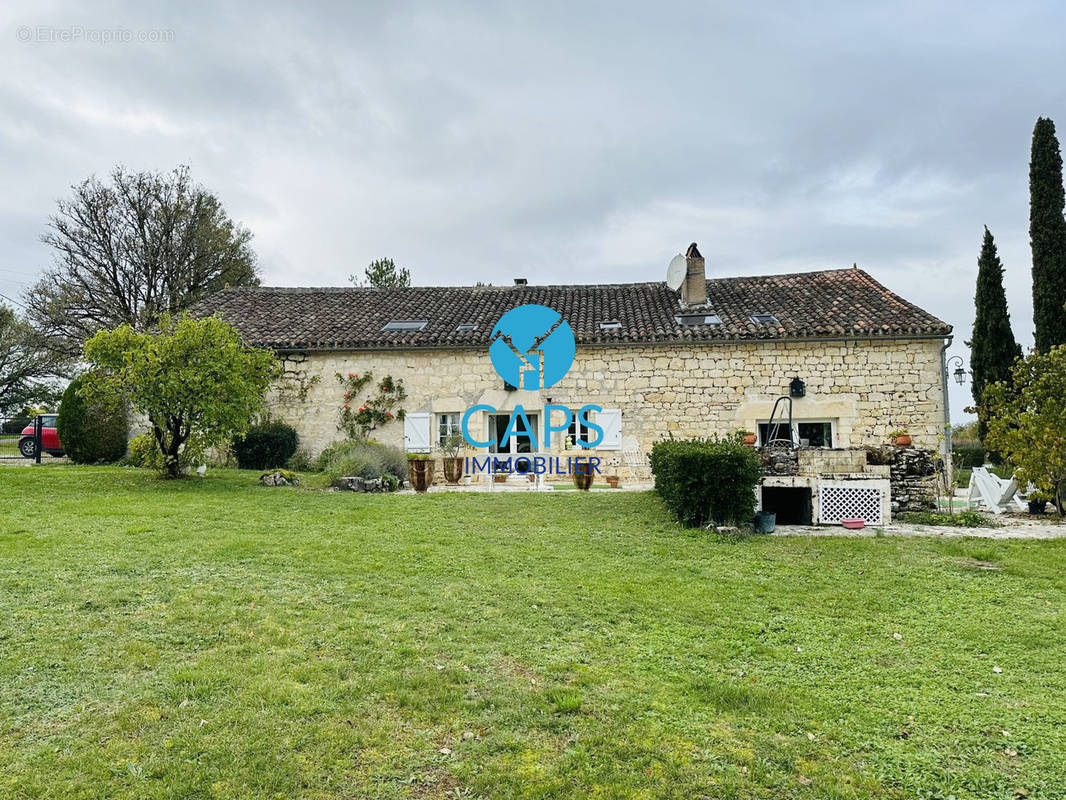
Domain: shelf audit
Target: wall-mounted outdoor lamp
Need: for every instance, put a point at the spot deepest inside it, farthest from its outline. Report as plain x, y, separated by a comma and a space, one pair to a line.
797, 388
959, 373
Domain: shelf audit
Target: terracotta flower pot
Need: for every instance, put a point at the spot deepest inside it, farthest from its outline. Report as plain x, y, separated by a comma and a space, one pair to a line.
420, 473
903, 440
612, 481
583, 480
749, 439
500, 478
453, 469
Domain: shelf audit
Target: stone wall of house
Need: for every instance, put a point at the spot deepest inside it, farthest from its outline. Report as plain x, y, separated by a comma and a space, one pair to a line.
868, 387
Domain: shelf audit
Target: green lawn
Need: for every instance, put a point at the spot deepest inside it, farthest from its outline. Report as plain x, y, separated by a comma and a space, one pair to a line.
214, 638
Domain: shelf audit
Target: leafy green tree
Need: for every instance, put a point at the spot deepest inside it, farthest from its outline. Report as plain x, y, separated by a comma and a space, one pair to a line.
383, 274
1047, 236
28, 370
131, 249
1026, 419
91, 432
993, 349
195, 380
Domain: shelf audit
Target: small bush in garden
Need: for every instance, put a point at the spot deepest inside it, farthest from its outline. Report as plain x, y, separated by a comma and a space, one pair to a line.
143, 452
301, 461
964, 519
706, 480
91, 432
362, 459
266, 446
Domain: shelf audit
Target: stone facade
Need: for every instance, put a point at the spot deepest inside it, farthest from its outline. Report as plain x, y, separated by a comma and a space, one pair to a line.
866, 388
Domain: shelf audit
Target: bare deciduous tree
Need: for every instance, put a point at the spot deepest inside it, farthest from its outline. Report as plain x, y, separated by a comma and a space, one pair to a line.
128, 251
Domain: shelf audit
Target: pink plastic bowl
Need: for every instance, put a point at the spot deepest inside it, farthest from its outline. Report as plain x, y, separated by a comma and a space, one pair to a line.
853, 524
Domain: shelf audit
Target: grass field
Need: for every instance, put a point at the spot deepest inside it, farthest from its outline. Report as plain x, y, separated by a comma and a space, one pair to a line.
213, 638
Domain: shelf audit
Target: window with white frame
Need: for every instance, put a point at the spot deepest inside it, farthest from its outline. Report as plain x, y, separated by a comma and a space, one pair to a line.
577, 430
447, 424
806, 433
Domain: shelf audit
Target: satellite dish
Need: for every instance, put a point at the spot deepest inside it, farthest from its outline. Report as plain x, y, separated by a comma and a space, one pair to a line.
675, 273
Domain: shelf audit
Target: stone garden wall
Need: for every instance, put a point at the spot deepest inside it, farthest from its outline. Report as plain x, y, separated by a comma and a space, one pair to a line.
912, 472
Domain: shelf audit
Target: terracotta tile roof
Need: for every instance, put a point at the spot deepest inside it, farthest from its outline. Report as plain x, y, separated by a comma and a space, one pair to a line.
827, 304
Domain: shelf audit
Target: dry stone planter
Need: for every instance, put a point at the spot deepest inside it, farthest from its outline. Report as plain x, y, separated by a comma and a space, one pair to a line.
279, 477
357, 484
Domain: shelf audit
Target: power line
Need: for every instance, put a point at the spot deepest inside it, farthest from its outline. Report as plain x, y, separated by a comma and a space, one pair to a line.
16, 302
18, 273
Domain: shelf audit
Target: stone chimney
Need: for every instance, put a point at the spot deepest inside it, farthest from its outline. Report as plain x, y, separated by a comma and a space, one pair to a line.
694, 289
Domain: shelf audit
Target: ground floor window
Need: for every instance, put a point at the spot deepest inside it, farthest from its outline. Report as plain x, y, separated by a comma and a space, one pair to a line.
807, 433
447, 424
577, 430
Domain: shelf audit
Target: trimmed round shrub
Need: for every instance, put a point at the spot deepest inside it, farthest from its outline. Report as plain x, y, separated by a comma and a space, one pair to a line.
266, 446
91, 434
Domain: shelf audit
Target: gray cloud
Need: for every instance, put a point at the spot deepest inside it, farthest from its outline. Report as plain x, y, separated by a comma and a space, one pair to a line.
561, 142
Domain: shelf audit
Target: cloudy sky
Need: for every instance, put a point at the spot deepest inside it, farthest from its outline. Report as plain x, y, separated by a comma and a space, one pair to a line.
564, 142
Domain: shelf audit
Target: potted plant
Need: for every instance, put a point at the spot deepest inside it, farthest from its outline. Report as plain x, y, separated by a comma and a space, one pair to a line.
612, 481
900, 438
451, 447
748, 436
583, 475
1038, 501
420, 469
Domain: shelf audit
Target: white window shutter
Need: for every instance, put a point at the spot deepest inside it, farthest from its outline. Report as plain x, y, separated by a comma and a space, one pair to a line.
610, 419
416, 433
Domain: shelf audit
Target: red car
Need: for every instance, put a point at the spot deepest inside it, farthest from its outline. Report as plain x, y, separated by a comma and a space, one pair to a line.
49, 438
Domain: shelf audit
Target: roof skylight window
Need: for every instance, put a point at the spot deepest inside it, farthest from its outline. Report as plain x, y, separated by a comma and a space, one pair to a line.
610, 325
764, 319
698, 319
400, 326
466, 327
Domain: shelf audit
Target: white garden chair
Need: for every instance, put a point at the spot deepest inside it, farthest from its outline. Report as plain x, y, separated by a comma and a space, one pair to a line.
633, 457
993, 492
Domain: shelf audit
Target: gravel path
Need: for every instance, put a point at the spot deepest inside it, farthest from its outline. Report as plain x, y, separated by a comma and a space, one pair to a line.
1013, 527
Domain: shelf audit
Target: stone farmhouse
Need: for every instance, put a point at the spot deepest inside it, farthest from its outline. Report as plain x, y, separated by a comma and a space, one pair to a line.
708, 359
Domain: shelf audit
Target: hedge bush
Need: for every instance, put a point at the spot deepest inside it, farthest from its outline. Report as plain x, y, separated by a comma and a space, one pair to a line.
266, 446
91, 433
968, 455
705, 481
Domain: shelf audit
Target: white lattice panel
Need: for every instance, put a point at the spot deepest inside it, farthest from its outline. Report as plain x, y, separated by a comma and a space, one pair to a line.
840, 501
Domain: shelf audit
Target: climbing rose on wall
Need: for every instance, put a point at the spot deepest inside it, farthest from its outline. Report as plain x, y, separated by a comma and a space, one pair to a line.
373, 412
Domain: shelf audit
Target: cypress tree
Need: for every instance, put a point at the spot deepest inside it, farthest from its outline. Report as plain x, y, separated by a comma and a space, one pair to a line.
1047, 236
993, 349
